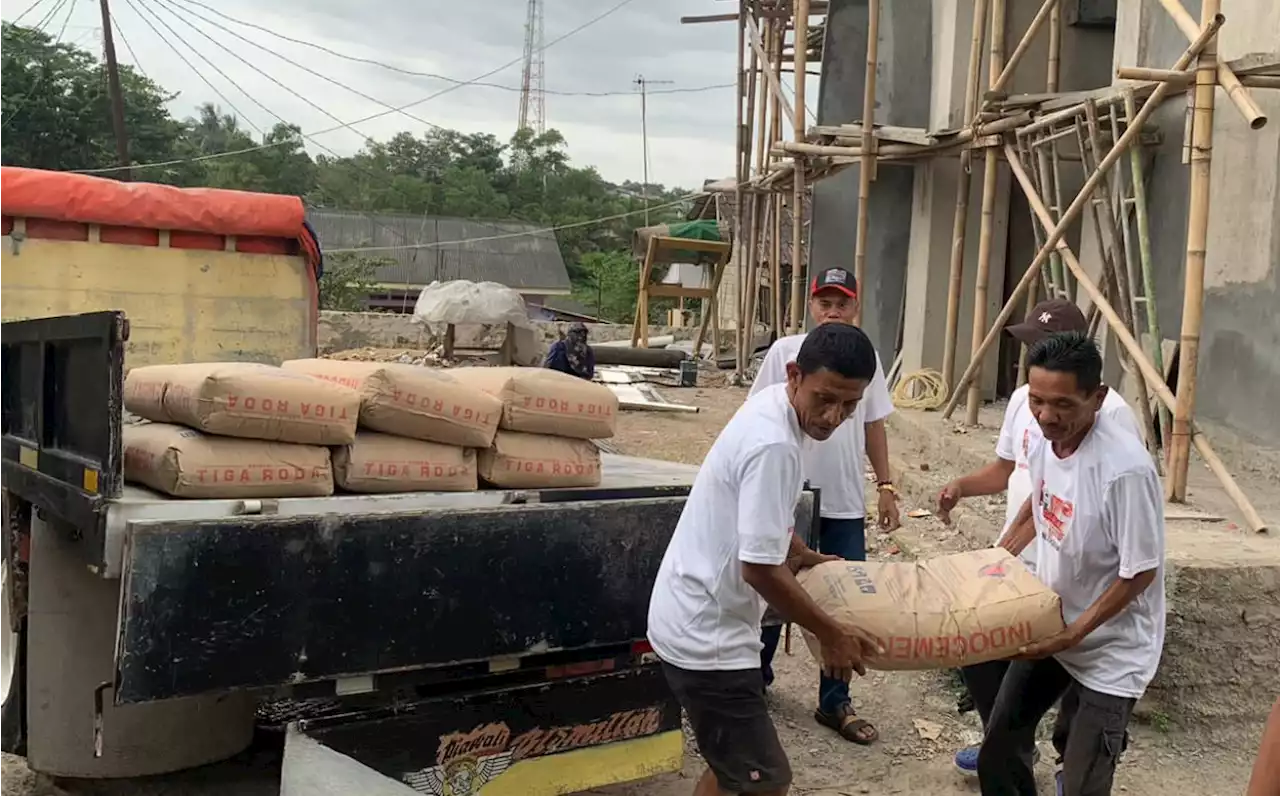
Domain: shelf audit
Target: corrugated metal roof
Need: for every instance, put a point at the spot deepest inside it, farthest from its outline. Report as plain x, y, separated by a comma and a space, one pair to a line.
524, 262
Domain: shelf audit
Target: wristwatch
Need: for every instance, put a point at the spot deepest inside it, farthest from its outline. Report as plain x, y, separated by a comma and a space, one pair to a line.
886, 486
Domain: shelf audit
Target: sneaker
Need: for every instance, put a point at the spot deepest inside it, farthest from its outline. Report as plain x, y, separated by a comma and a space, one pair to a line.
966, 761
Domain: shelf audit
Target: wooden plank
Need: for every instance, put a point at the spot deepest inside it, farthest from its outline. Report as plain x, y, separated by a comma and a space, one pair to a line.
690, 244
900, 135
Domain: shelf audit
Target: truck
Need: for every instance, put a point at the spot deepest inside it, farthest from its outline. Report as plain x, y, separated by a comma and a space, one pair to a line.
485, 642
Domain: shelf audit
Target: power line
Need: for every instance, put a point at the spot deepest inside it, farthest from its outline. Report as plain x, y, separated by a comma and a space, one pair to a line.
138, 10
574, 225
30, 8
431, 75
379, 115
48, 17
136, 63
35, 84
176, 12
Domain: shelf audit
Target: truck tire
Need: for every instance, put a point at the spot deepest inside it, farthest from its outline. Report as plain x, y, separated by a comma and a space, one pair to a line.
13, 718
71, 628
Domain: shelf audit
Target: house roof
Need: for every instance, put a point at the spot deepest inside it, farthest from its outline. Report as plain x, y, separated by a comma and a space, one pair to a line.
517, 254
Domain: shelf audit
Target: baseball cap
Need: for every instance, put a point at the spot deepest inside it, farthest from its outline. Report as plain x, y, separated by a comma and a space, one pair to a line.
1049, 317
837, 278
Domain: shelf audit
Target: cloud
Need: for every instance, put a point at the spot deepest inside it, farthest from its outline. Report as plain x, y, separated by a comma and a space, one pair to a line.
690, 134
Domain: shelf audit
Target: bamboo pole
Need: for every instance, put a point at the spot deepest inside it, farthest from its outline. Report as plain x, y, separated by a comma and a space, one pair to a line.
1121, 262
1006, 74
776, 265
1055, 50
990, 174
1054, 239
1207, 73
755, 105
799, 276
1223, 75
741, 155
1154, 379
775, 83
959, 225
1148, 269
866, 171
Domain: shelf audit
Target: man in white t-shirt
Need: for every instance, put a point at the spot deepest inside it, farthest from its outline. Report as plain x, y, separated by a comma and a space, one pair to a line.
1097, 516
734, 550
1009, 470
836, 468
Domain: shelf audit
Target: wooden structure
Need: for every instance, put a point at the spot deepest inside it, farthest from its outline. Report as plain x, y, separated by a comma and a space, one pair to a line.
1022, 130
659, 251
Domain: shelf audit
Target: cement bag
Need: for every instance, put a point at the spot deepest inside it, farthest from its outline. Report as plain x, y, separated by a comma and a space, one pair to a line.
939, 613
540, 401
244, 399
185, 463
533, 461
412, 401
383, 463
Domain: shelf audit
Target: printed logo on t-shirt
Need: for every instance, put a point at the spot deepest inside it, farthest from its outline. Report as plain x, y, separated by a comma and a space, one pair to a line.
1057, 513
1026, 448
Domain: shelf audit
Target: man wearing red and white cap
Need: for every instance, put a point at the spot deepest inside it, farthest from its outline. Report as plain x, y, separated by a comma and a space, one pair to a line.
1009, 471
836, 467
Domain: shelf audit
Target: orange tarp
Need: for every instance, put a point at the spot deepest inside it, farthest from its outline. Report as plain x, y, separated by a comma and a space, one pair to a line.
61, 196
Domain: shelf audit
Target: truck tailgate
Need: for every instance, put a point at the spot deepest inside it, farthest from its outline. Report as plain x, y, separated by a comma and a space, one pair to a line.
265, 601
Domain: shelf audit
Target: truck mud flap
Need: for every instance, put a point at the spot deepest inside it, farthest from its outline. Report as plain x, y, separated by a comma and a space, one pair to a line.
553, 738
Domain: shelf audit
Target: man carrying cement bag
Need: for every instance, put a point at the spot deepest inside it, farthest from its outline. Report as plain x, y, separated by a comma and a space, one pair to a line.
1009, 470
836, 467
730, 554
1097, 516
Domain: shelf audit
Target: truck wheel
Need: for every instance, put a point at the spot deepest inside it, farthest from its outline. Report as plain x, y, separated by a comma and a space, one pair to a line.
13, 714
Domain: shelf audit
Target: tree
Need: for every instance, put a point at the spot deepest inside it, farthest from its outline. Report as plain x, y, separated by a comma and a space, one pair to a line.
609, 285
348, 279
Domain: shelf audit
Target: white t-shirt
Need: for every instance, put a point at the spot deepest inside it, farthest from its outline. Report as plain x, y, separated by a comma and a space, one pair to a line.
1015, 433
1099, 516
834, 465
702, 615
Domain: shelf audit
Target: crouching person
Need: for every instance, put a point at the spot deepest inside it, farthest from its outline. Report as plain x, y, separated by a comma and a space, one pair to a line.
1096, 514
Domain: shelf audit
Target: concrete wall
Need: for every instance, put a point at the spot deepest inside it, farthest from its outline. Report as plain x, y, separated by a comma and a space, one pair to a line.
1239, 372
902, 72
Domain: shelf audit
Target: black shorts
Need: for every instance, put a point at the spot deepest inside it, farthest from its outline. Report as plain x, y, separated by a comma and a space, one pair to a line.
731, 723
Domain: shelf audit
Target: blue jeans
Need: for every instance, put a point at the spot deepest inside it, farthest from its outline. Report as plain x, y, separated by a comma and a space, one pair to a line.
846, 538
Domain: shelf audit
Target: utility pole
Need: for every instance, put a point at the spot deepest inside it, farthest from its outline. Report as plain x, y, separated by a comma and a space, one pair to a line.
117, 95
643, 85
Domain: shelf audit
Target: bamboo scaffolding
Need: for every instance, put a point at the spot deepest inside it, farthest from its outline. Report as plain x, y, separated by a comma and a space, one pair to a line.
990, 175
1222, 73
798, 273
867, 170
1077, 205
1207, 75
955, 279
1154, 378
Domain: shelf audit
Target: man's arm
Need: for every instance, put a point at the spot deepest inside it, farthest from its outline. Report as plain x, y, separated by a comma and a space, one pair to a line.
879, 405
1022, 531
992, 477
766, 515
1266, 769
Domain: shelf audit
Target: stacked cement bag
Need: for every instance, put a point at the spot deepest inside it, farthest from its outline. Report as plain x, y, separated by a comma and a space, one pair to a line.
547, 423
420, 428
222, 430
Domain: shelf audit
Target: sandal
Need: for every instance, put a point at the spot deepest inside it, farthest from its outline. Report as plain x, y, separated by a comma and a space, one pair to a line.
845, 721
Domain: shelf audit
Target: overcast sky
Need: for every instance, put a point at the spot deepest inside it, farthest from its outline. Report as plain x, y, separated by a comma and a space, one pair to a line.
690, 134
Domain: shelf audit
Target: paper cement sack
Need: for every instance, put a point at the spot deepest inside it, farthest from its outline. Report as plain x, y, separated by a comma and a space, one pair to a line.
939, 613
183, 462
383, 463
540, 401
244, 399
531, 461
412, 401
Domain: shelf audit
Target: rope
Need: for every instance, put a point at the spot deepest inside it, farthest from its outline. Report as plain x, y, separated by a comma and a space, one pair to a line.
923, 389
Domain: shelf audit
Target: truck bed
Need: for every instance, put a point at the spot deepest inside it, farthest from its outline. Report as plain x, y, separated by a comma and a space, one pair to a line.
622, 476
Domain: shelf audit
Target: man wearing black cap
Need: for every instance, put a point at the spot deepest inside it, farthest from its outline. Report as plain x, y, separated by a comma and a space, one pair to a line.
1009, 472
836, 467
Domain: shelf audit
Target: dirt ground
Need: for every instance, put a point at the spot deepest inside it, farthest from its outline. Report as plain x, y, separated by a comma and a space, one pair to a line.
915, 711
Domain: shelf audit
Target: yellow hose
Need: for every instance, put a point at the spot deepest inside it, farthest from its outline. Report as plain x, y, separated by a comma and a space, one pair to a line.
923, 389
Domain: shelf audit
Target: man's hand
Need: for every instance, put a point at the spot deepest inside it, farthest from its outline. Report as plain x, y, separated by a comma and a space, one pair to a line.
808, 558
947, 500
1059, 642
845, 650
887, 506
